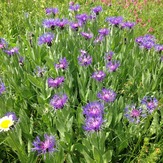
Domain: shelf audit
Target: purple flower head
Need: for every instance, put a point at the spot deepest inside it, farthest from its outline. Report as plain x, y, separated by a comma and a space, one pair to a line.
74, 7
112, 66
93, 123
45, 146
46, 38
150, 103
98, 75
147, 44
107, 95
159, 48
2, 88
62, 64
12, 51
133, 114
84, 60
62, 23
87, 36
92, 16
50, 23
128, 25
97, 10
104, 31
147, 41
115, 20
53, 11
93, 109
55, 83
99, 39
3, 43
109, 55
21, 61
82, 18
83, 52
40, 71
12, 115
75, 25
58, 101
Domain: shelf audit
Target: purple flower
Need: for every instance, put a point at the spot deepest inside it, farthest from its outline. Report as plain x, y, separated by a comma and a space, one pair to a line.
147, 44
87, 36
107, 95
45, 146
21, 61
39, 71
12, 115
99, 39
46, 38
12, 51
74, 7
98, 75
84, 59
83, 52
159, 48
97, 10
62, 23
50, 23
82, 18
104, 31
58, 101
128, 25
147, 41
115, 20
62, 64
3, 43
93, 123
150, 103
53, 11
55, 83
2, 88
75, 25
109, 56
93, 109
133, 114
112, 66
92, 16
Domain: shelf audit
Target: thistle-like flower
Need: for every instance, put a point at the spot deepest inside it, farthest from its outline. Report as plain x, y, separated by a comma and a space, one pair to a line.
93, 109
87, 36
63, 64
46, 38
133, 114
53, 11
112, 66
98, 75
150, 103
107, 95
12, 51
48, 145
93, 123
55, 83
58, 101
116, 21
85, 60
97, 10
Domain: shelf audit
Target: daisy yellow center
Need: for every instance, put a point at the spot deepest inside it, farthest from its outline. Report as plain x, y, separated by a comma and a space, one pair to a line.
6, 124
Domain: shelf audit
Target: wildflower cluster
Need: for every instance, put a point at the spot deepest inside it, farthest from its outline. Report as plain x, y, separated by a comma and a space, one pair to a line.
136, 114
